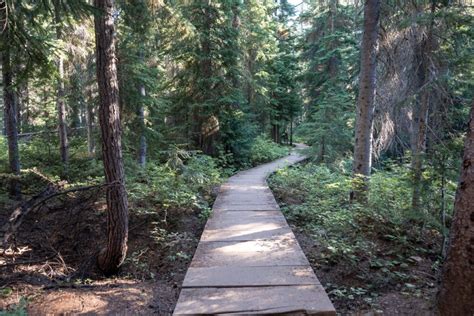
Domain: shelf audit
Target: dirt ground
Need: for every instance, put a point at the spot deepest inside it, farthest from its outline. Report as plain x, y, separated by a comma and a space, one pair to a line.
52, 270
390, 299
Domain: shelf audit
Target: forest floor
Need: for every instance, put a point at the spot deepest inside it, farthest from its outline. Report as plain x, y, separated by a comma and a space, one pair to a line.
53, 270
395, 299
360, 287
159, 254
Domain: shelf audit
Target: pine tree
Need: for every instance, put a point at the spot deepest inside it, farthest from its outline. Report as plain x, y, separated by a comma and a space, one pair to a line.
457, 288
10, 112
329, 51
135, 50
286, 104
365, 105
60, 101
424, 50
113, 255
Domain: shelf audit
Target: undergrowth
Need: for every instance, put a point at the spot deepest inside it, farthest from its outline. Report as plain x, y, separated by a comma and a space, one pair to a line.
363, 250
264, 150
172, 179
169, 202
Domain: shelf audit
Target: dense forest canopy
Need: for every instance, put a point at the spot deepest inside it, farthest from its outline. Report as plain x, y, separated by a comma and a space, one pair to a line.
213, 75
169, 97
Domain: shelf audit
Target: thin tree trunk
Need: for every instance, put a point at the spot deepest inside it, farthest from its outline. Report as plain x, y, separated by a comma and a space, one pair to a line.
60, 104
5, 115
17, 95
113, 255
365, 103
26, 117
205, 140
90, 125
457, 287
420, 112
10, 112
141, 116
250, 89
23, 105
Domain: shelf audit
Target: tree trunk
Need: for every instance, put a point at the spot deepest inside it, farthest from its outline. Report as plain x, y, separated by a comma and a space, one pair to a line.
202, 114
90, 125
60, 104
420, 112
418, 136
26, 116
141, 116
10, 112
457, 287
113, 255
17, 99
365, 103
22, 107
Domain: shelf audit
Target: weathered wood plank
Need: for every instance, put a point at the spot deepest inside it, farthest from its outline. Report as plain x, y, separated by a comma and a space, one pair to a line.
249, 253
230, 276
304, 300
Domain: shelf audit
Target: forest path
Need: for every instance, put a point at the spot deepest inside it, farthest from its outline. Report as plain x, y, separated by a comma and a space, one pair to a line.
248, 260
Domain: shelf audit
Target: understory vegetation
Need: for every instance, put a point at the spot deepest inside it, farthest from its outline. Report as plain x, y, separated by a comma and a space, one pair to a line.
177, 179
364, 251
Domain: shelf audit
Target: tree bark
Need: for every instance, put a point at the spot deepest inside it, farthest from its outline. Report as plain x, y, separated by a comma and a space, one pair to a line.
365, 103
457, 287
10, 112
22, 107
60, 104
113, 255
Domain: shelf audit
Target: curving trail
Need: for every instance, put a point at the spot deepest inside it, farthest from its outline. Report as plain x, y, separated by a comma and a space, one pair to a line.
248, 260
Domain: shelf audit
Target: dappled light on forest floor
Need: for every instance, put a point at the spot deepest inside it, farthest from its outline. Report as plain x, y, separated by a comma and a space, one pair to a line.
106, 298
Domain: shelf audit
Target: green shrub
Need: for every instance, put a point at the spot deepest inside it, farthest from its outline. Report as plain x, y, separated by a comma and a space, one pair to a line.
318, 201
187, 187
264, 150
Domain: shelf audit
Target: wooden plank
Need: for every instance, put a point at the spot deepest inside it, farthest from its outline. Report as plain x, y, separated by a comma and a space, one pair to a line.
258, 233
275, 252
247, 207
250, 276
243, 220
306, 299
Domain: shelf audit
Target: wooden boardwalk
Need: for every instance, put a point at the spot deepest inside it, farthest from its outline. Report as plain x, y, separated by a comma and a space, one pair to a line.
248, 260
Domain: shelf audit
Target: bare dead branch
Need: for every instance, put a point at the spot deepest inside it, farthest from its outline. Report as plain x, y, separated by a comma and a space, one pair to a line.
36, 202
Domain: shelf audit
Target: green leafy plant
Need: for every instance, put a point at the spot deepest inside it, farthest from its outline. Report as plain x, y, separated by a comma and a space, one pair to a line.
264, 150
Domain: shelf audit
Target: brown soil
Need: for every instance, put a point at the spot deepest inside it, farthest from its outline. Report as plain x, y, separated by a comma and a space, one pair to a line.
53, 270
